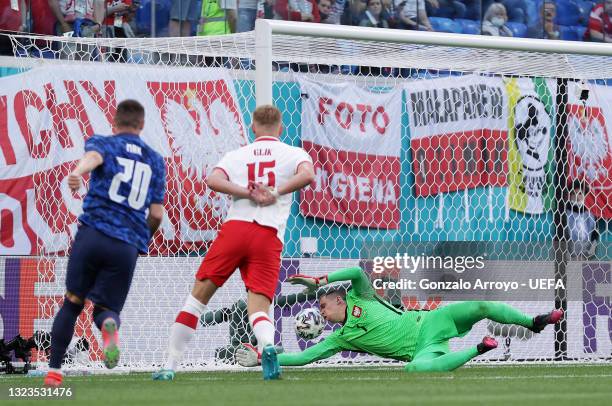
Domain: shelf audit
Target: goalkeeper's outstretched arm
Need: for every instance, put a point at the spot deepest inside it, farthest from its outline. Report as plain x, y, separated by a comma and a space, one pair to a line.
319, 351
247, 355
359, 280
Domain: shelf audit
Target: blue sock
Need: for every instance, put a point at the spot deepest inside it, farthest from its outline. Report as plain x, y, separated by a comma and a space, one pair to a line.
100, 314
62, 331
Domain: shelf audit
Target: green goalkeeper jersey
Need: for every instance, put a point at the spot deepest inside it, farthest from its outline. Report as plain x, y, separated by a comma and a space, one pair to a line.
372, 325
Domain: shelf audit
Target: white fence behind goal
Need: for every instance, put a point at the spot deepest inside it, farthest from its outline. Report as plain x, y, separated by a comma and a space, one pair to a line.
419, 140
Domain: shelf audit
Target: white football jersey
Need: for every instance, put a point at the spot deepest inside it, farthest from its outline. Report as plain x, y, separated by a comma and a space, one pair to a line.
271, 162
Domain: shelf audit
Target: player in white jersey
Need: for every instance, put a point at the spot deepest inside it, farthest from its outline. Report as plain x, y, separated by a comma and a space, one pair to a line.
261, 178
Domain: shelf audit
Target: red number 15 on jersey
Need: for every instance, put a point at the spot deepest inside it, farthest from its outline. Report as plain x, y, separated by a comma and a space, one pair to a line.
263, 169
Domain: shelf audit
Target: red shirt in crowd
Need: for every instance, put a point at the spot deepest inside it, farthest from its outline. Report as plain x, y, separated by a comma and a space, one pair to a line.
281, 7
599, 21
10, 19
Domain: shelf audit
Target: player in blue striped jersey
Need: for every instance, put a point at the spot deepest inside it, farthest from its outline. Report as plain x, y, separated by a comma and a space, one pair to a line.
122, 210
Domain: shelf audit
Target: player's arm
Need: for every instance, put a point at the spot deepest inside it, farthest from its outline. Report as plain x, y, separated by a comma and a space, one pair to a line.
359, 280
304, 175
90, 161
155, 217
220, 182
319, 351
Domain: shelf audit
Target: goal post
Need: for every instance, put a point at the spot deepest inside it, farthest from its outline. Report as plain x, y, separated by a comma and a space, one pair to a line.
438, 146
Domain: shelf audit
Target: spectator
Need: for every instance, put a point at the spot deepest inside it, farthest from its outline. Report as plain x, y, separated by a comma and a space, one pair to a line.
373, 16
247, 13
218, 17
581, 224
118, 14
265, 9
325, 10
446, 8
67, 11
473, 9
412, 15
13, 16
354, 12
13, 20
600, 23
182, 14
42, 19
515, 9
494, 21
338, 7
298, 10
388, 12
546, 27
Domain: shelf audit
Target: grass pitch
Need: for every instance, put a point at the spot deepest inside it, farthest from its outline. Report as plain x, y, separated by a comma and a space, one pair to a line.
513, 385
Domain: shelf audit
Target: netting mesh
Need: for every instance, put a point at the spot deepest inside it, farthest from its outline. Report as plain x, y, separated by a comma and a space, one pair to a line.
411, 144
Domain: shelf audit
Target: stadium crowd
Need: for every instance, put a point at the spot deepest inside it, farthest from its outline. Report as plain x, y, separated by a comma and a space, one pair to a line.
574, 20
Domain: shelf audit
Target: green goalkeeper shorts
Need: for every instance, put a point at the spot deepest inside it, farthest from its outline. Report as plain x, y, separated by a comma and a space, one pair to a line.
437, 329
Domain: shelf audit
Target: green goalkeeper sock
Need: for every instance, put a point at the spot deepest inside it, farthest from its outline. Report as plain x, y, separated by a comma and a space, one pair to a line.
443, 363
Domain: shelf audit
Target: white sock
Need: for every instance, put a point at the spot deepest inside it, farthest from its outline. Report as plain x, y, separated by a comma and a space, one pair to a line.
182, 331
263, 328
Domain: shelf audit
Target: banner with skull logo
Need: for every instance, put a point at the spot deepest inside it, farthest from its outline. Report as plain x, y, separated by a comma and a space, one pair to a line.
530, 144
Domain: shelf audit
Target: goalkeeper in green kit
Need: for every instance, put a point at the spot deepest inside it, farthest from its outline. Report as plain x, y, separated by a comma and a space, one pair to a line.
371, 325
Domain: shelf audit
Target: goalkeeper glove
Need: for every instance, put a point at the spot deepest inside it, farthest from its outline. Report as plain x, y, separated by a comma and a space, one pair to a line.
312, 283
248, 356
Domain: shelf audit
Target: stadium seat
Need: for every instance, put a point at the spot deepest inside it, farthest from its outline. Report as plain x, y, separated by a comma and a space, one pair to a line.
568, 33
585, 10
469, 26
447, 9
516, 10
568, 13
162, 17
445, 25
580, 32
518, 30
534, 12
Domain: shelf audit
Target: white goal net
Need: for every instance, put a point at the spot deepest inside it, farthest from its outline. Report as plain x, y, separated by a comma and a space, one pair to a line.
430, 150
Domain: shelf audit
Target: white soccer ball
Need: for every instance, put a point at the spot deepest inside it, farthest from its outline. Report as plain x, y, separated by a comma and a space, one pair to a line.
309, 323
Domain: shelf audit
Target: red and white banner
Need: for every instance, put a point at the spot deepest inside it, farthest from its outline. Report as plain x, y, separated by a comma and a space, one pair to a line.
458, 133
46, 114
589, 145
353, 137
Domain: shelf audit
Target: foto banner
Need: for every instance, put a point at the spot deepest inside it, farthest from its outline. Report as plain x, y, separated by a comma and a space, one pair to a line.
458, 133
589, 145
46, 114
530, 144
353, 137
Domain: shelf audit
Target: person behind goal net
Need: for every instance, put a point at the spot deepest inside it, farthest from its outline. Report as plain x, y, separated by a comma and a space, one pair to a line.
251, 236
128, 178
371, 325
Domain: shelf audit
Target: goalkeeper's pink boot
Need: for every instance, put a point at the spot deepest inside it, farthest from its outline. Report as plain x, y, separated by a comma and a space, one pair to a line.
487, 344
541, 321
110, 339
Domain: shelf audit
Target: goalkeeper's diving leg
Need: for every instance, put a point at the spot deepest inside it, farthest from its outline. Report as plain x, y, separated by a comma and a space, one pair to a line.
443, 362
464, 316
